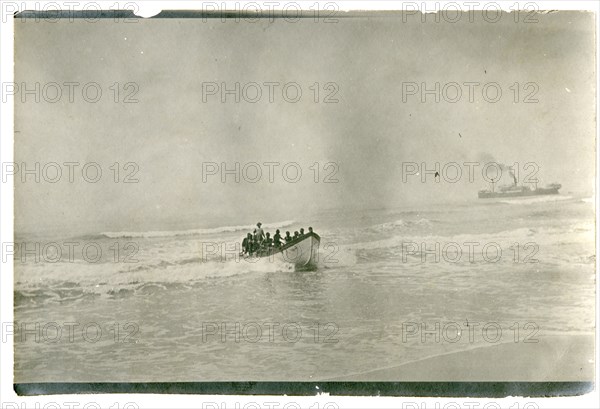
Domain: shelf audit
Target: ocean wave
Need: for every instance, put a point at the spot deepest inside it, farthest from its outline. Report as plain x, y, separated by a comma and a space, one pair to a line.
40, 285
579, 233
534, 200
402, 223
191, 232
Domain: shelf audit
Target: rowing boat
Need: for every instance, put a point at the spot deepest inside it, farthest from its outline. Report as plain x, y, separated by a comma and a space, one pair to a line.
302, 252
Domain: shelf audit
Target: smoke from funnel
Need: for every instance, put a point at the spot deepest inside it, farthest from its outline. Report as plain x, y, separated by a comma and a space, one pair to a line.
485, 158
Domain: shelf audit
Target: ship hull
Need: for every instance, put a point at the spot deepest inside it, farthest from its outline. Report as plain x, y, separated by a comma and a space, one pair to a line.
302, 253
537, 192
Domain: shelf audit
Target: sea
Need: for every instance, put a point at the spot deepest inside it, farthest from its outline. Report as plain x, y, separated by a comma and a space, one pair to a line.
392, 286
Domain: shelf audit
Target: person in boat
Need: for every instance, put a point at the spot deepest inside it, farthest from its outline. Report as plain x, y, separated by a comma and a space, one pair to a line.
260, 234
244, 245
247, 244
277, 239
253, 243
301, 231
310, 230
296, 235
268, 241
288, 238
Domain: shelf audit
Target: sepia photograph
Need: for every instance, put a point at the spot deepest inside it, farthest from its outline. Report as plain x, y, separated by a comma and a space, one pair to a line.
358, 202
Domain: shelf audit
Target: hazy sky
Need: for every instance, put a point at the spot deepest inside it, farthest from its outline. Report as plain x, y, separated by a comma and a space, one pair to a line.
369, 133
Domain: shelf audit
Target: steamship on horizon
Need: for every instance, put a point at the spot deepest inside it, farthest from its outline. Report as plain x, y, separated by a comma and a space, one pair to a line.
514, 190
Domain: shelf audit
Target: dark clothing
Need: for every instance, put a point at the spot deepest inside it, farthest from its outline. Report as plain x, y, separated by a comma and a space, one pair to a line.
250, 245
277, 240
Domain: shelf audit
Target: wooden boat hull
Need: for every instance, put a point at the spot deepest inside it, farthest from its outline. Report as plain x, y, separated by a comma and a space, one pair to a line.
303, 253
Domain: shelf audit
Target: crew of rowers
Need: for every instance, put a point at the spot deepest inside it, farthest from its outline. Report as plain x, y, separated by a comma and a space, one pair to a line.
258, 240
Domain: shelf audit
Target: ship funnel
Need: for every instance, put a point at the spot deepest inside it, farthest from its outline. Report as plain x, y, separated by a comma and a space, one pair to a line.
513, 176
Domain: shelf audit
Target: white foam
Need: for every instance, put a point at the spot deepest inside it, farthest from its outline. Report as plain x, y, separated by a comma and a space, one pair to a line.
192, 232
536, 199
